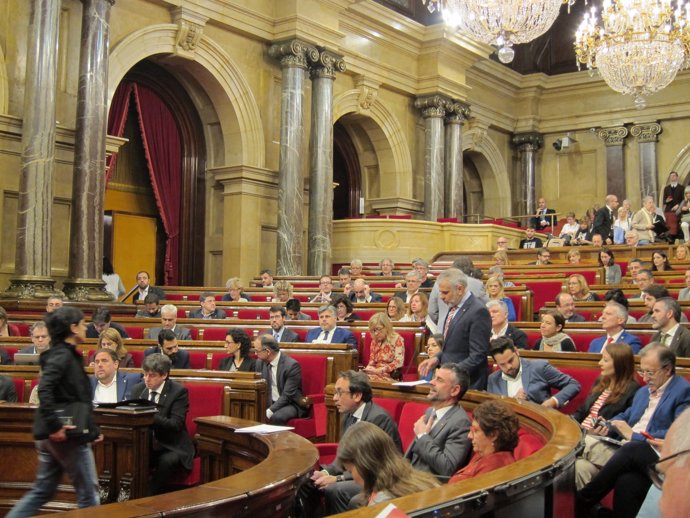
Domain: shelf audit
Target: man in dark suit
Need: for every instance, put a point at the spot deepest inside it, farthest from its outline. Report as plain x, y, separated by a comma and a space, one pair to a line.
281, 333
566, 305
442, 445
108, 384
466, 329
353, 399
40, 339
173, 449
283, 376
438, 310
208, 309
361, 293
145, 288
498, 311
544, 217
422, 267
167, 345
543, 257
327, 332
169, 321
528, 380
666, 319
604, 218
413, 280
7, 390
100, 321
152, 307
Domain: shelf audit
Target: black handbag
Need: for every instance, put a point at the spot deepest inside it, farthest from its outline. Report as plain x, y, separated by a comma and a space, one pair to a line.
78, 414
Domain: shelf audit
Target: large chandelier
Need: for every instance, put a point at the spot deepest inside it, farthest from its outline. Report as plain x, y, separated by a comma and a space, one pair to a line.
638, 46
502, 23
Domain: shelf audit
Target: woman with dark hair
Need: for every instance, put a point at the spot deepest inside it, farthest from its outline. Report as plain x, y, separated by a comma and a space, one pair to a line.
7, 329
494, 436
553, 339
387, 354
377, 466
660, 262
238, 345
434, 345
344, 309
613, 271
113, 283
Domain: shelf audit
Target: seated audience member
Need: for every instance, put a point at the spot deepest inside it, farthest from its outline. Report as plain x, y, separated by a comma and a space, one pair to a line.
238, 346
356, 268
100, 321
282, 291
362, 294
613, 271
442, 446
495, 291
395, 308
378, 467
620, 226
418, 311
152, 307
8, 393
553, 339
500, 326
108, 384
494, 436
281, 333
666, 318
584, 233
544, 218
684, 294
660, 262
234, 294
387, 350
169, 322
530, 240
422, 267
632, 238
325, 290
613, 320
543, 257
644, 220
113, 283
413, 280
645, 279
266, 278
173, 449
497, 271
653, 410
653, 293
7, 329
145, 288
597, 240
682, 254
344, 309
40, 339
283, 376
501, 258
634, 267
208, 309
327, 332
502, 244
617, 295
565, 304
293, 307
528, 380
387, 268
579, 289
111, 339
167, 345
570, 228
344, 277
683, 214
53, 302
434, 345
574, 256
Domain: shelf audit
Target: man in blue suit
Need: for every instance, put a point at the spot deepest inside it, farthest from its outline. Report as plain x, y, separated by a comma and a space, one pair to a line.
644, 426
108, 384
529, 380
613, 319
327, 332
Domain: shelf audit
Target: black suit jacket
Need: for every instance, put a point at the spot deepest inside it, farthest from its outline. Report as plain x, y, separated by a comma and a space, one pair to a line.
467, 341
549, 216
287, 335
247, 365
181, 360
576, 318
603, 223
289, 380
152, 289
7, 391
92, 333
169, 425
680, 344
518, 336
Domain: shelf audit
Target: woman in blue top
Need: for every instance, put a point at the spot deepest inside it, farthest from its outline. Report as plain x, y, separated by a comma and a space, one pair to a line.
494, 289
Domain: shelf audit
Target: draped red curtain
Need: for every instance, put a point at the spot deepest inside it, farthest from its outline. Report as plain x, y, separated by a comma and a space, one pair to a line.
119, 108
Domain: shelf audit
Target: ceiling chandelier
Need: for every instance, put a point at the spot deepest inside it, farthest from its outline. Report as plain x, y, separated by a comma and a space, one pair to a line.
638, 46
502, 23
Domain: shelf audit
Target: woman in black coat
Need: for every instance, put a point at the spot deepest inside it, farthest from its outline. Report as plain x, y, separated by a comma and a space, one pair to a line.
238, 344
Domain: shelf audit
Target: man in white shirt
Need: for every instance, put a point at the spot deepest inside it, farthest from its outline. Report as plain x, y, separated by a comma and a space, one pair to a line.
108, 383
413, 280
327, 332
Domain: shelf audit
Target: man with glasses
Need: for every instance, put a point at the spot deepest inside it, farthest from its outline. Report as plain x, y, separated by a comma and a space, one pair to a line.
543, 257
642, 426
40, 339
361, 293
413, 280
502, 244
325, 290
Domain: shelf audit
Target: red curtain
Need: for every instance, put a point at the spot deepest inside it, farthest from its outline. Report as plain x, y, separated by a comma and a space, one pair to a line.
117, 117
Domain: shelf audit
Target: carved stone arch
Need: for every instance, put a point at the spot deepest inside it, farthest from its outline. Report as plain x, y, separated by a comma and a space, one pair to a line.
681, 165
235, 109
492, 170
4, 84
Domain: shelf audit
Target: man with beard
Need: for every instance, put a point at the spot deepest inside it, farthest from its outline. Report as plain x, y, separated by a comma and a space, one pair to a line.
167, 345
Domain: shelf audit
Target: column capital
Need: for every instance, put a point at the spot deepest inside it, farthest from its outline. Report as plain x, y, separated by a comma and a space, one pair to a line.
432, 105
528, 141
327, 64
293, 53
457, 112
111, 2
614, 136
646, 132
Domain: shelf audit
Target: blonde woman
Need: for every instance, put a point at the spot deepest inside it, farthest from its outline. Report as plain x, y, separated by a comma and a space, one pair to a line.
501, 258
579, 289
234, 294
282, 291
111, 339
387, 352
494, 290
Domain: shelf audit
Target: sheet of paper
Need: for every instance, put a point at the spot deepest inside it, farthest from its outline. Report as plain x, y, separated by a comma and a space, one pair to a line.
264, 428
410, 383
390, 511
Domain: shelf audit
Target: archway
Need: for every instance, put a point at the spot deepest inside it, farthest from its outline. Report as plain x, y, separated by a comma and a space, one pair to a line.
347, 175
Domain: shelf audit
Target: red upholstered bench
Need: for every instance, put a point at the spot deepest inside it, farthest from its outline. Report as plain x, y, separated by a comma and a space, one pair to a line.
137, 357
544, 291
135, 331
197, 359
19, 389
392, 406
253, 314
528, 443
216, 333
586, 378
313, 386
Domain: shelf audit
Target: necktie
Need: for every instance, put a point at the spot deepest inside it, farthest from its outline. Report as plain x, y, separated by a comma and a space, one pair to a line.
449, 319
609, 340
664, 339
152, 396
325, 335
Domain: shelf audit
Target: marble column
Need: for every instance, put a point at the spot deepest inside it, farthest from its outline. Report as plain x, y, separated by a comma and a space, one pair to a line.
527, 145
293, 56
32, 260
88, 184
614, 138
457, 114
321, 169
647, 135
433, 110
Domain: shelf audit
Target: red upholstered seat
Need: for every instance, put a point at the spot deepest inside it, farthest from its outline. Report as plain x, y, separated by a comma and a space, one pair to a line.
392, 406
447, 220
197, 359
586, 378
215, 333
20, 329
313, 386
253, 314
137, 357
182, 313
19, 389
327, 452
516, 299
528, 444
411, 411
135, 331
179, 296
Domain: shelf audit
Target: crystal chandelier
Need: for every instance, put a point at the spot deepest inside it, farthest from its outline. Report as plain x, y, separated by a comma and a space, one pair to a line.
638, 46
502, 23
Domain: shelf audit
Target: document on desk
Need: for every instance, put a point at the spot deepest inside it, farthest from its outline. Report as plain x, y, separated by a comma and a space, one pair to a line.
264, 429
410, 383
391, 511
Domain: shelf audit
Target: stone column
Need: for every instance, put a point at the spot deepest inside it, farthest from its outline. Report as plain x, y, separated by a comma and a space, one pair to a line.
88, 184
433, 110
457, 114
527, 145
321, 155
32, 261
647, 135
614, 138
293, 56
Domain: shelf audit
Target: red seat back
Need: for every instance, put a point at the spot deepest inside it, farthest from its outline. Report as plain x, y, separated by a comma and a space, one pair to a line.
215, 333
205, 399
528, 443
135, 331
313, 373
411, 411
197, 359
392, 406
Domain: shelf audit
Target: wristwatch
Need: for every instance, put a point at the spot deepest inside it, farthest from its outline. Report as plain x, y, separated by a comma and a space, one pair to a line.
339, 478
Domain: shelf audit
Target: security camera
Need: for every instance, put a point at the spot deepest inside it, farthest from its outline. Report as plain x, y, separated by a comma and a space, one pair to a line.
564, 142
558, 144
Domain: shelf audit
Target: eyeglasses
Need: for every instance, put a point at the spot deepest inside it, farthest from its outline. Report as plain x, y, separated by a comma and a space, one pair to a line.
340, 392
648, 374
378, 329
657, 476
